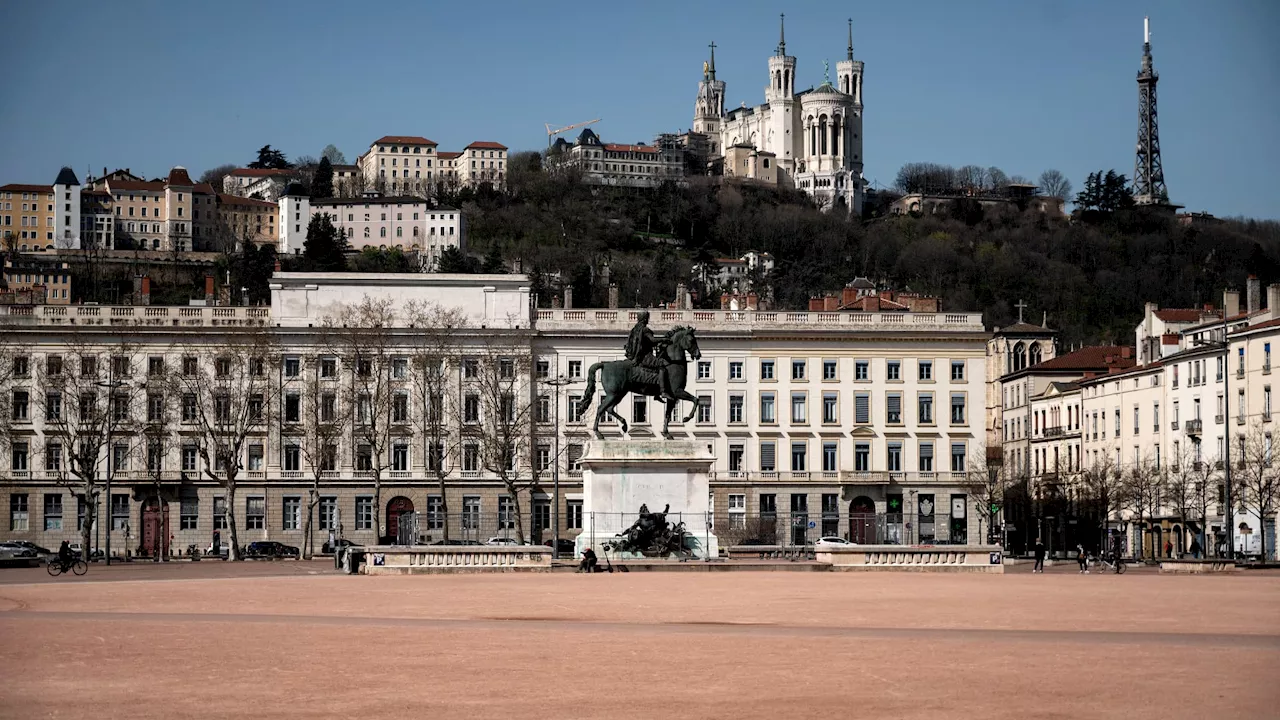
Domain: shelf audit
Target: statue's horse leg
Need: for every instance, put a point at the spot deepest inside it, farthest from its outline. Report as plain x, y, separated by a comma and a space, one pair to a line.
611, 401
682, 394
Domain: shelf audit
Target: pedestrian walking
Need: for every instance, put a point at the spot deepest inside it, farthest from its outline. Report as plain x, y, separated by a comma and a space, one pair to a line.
1195, 548
1039, 567
217, 543
1168, 549
1083, 558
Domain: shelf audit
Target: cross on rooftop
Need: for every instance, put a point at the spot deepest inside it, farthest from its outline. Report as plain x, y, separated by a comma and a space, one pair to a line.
1021, 305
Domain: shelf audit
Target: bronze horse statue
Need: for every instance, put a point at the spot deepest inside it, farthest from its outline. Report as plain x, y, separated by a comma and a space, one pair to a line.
620, 377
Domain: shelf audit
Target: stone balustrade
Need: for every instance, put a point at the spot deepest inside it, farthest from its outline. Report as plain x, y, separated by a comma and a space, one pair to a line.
426, 559
134, 315
713, 320
939, 558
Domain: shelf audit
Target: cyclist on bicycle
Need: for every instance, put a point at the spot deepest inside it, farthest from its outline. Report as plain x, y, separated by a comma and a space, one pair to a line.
64, 555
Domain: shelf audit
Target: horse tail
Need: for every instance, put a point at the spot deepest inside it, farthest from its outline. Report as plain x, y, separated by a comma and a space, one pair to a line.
589, 393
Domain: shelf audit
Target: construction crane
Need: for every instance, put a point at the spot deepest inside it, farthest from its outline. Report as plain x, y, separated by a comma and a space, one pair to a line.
552, 133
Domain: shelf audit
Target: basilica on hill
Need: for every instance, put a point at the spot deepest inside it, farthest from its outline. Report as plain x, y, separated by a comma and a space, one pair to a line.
810, 140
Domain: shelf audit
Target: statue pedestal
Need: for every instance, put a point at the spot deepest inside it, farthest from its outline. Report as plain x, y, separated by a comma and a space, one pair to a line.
618, 476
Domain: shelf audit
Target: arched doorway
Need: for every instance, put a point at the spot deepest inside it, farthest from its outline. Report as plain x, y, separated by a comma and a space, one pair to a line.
396, 507
862, 521
155, 527
1179, 543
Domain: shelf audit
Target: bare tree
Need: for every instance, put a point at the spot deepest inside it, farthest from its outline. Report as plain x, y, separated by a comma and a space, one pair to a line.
1187, 491
86, 405
1142, 485
498, 380
224, 385
157, 434
1103, 487
216, 176
1055, 184
335, 155
318, 420
972, 178
360, 335
1255, 481
987, 481
435, 357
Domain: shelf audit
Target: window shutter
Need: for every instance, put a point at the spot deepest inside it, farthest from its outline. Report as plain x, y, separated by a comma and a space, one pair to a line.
767, 456
862, 409
895, 405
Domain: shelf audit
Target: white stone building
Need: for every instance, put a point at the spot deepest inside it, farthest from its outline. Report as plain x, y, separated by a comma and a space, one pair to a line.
405, 222
864, 425
262, 183
601, 163
413, 165
814, 135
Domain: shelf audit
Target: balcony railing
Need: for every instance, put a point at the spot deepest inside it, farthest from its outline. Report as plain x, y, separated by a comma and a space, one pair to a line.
1056, 431
1193, 427
1217, 419
848, 477
733, 319
142, 315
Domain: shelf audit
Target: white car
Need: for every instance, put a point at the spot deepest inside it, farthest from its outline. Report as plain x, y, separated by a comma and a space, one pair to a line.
501, 541
831, 540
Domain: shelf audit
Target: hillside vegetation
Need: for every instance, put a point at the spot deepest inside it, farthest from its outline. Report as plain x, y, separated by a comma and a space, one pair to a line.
1091, 276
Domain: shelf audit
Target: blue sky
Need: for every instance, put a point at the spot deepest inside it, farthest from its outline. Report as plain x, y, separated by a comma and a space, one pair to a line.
1020, 84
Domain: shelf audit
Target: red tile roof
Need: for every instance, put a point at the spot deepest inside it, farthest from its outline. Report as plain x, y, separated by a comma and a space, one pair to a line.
204, 188
179, 176
1097, 357
1182, 315
19, 187
404, 140
136, 186
1259, 326
237, 200
258, 172
448, 154
487, 145
631, 148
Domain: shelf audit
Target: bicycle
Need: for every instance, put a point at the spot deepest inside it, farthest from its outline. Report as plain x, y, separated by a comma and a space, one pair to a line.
56, 567
1102, 564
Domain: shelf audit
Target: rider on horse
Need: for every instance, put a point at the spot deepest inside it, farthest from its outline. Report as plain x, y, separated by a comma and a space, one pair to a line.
639, 350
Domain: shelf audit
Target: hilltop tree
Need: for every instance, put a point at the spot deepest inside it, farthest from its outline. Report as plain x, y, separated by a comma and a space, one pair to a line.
453, 260
1105, 193
325, 247
493, 263
270, 159
1055, 184
333, 155
215, 176
322, 181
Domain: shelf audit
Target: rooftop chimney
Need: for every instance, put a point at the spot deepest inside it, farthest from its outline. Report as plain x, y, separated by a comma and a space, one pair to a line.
146, 290
568, 297
815, 304
208, 287
830, 303
682, 295
1231, 303
1273, 300
613, 296
1254, 291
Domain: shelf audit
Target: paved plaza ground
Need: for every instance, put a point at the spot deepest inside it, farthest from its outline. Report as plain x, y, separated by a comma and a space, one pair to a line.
296, 640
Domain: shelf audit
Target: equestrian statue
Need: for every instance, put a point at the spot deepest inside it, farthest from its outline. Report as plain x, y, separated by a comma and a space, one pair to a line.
655, 366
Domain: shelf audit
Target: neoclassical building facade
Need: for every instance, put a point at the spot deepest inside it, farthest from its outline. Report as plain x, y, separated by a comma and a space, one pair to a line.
813, 137
866, 425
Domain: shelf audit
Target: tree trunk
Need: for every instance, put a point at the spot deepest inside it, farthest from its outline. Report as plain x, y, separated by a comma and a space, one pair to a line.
515, 507
234, 552
444, 507
86, 530
308, 543
377, 504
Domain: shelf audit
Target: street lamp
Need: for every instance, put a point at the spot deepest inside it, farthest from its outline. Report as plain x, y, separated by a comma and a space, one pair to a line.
111, 385
558, 382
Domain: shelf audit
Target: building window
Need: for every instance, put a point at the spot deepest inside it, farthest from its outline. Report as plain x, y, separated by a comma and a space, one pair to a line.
957, 370
53, 511
830, 408
470, 512
799, 409
735, 370
364, 513
704, 408
329, 512
704, 369
737, 512
797, 369
291, 513
255, 512
768, 456
736, 403
893, 370
861, 370
862, 408
575, 369
188, 511
862, 457
926, 369
639, 409
957, 409
573, 512
767, 413
829, 368
219, 513
400, 457
893, 408
926, 457
766, 370
19, 518
957, 457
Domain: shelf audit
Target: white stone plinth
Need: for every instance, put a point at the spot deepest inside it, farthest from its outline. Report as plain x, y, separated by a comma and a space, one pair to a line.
618, 476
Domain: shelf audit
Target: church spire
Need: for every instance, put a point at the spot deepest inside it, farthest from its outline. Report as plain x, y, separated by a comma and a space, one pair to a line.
850, 54
782, 35
712, 67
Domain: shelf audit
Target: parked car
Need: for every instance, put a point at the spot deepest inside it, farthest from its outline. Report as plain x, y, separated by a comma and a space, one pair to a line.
224, 551
342, 544
271, 549
14, 550
455, 541
40, 551
95, 554
501, 541
831, 540
567, 546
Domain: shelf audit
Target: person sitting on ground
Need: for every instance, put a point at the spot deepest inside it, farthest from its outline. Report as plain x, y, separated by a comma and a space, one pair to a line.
589, 562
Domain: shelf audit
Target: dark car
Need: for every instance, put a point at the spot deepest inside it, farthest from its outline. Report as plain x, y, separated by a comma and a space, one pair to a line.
342, 543
270, 549
567, 546
455, 541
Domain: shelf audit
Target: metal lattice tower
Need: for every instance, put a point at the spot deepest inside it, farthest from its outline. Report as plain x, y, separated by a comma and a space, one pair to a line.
1148, 172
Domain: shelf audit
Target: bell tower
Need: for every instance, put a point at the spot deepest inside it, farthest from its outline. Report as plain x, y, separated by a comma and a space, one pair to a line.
782, 68
708, 111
